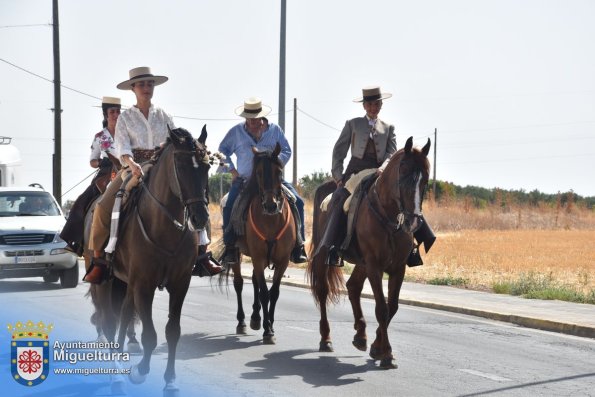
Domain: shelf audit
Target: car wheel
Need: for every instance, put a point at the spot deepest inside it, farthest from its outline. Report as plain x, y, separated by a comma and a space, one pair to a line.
51, 277
70, 277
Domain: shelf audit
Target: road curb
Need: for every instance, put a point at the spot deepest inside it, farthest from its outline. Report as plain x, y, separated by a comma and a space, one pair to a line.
524, 321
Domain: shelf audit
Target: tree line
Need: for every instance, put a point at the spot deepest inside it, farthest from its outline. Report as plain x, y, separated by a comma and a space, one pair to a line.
479, 197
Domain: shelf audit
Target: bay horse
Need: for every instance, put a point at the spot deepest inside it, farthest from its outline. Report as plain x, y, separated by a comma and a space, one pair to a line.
270, 234
383, 238
157, 245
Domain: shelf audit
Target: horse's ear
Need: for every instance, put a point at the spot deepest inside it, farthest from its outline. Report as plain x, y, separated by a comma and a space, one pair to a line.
277, 150
409, 145
426, 149
203, 135
255, 150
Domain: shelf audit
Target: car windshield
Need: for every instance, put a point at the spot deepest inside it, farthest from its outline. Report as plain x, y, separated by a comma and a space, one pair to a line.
20, 203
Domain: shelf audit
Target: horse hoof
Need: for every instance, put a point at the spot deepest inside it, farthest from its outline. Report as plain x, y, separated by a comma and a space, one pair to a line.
375, 353
241, 329
118, 388
269, 339
135, 376
388, 363
326, 347
134, 348
360, 344
255, 324
102, 339
171, 390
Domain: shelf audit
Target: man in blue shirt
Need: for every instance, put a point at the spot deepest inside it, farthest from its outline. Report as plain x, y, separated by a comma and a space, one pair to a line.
257, 132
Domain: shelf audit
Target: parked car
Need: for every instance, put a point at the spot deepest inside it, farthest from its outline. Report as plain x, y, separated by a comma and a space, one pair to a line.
30, 243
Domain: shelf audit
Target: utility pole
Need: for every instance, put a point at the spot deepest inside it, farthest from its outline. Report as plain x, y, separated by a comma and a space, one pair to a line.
295, 146
282, 66
435, 144
57, 159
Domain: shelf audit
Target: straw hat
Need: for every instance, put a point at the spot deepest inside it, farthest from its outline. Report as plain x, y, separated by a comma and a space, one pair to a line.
372, 93
111, 101
142, 73
252, 109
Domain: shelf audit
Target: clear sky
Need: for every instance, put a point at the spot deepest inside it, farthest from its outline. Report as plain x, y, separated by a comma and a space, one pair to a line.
509, 84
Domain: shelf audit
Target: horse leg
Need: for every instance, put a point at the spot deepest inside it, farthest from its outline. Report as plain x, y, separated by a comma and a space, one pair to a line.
322, 291
238, 286
355, 284
172, 334
380, 349
107, 316
133, 346
255, 318
395, 281
274, 293
268, 336
143, 300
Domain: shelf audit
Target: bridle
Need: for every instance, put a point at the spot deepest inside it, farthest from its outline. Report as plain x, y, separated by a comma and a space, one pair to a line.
390, 224
183, 226
198, 153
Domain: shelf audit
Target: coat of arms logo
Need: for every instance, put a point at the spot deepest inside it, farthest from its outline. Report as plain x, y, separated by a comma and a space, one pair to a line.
29, 353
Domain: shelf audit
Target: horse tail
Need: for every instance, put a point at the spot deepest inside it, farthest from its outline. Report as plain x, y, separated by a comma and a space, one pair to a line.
326, 282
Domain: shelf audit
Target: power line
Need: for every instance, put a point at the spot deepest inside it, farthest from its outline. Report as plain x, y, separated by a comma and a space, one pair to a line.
317, 120
25, 26
48, 80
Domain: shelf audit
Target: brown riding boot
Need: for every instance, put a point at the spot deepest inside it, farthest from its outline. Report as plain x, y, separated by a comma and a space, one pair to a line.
97, 271
205, 264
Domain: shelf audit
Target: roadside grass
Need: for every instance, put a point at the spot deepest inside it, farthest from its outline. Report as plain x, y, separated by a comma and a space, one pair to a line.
542, 286
539, 253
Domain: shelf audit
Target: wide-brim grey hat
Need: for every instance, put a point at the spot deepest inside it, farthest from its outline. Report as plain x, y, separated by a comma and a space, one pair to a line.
373, 93
252, 109
142, 73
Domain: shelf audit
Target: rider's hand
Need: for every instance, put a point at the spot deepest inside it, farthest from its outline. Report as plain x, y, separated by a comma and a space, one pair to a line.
135, 168
234, 174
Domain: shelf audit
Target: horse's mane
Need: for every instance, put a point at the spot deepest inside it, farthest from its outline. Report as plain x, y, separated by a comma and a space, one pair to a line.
252, 187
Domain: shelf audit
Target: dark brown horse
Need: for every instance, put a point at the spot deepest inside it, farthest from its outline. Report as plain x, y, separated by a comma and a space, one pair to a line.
157, 245
383, 238
269, 239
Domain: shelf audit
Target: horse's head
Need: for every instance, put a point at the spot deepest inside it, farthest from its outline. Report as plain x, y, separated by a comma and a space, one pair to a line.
407, 174
190, 168
266, 174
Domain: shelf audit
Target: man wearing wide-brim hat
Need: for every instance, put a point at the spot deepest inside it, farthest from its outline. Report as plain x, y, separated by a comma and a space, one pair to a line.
372, 142
254, 131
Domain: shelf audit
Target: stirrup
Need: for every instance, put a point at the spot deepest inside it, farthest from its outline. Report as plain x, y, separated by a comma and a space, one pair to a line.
201, 270
230, 256
414, 258
333, 258
298, 255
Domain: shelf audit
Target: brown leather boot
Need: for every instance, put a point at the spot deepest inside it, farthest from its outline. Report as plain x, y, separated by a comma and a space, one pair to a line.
206, 265
97, 271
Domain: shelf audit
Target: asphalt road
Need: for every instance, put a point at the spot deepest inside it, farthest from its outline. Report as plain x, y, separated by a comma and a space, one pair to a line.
438, 353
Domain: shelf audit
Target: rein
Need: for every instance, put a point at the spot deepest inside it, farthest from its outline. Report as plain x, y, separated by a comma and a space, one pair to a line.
260, 234
178, 225
380, 214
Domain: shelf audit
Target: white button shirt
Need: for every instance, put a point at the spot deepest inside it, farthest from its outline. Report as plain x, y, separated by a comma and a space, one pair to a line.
134, 131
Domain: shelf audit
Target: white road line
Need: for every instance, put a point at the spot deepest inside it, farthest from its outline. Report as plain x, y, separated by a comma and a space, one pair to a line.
486, 375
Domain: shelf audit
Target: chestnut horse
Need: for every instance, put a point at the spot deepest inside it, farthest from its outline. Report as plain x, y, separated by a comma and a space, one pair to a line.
269, 238
157, 246
382, 240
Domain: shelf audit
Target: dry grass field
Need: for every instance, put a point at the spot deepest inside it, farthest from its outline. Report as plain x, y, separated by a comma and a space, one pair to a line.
496, 249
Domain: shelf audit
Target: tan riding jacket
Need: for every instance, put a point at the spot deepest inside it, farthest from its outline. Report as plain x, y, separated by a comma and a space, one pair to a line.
355, 136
